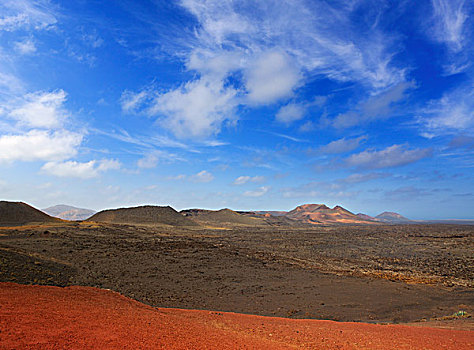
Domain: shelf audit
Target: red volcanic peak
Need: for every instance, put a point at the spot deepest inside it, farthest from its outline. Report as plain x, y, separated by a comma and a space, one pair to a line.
322, 214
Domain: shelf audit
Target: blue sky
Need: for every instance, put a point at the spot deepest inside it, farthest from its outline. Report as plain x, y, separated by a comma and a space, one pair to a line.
241, 104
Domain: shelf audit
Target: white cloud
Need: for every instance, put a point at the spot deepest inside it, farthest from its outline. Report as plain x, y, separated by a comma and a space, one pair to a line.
80, 170
343, 145
214, 64
290, 113
196, 109
202, 176
393, 156
41, 110
34, 128
258, 192
26, 47
241, 180
270, 77
449, 18
39, 145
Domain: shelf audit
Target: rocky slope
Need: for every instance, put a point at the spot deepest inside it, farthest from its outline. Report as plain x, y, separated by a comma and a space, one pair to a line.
19, 213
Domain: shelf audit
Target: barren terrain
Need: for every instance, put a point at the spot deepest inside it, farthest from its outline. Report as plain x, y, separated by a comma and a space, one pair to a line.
347, 273
39, 317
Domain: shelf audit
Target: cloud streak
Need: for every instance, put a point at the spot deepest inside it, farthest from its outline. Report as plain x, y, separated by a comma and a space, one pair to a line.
343, 145
393, 156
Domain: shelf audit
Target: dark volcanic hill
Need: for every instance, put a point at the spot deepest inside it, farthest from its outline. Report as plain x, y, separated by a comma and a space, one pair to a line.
19, 213
391, 217
148, 214
321, 214
224, 216
68, 212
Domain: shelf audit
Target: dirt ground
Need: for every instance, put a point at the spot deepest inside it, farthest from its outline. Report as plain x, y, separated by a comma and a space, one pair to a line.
378, 274
39, 317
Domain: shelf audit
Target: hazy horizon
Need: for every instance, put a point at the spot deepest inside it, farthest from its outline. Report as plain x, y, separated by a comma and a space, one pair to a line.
242, 105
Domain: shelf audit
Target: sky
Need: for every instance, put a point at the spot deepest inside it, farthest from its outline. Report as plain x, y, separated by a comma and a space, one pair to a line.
248, 105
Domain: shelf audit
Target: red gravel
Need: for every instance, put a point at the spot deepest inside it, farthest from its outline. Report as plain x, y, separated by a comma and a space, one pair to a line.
81, 317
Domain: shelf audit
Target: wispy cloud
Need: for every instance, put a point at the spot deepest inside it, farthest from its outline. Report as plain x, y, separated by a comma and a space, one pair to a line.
203, 177
258, 192
316, 40
358, 178
246, 40
453, 113
462, 141
151, 159
288, 137
25, 47
241, 180
290, 113
133, 101
30, 14
376, 107
343, 145
407, 193
450, 17
393, 156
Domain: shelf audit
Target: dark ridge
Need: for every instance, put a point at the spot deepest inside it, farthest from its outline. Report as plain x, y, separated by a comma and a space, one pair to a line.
19, 213
148, 214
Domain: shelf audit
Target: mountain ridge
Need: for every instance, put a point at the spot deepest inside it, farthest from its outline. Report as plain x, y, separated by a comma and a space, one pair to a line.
68, 212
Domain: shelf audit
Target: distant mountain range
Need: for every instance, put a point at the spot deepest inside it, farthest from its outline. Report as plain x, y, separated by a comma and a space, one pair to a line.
17, 213
393, 218
322, 214
67, 212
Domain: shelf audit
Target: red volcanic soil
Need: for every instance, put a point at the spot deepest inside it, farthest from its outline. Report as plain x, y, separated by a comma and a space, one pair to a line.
44, 317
